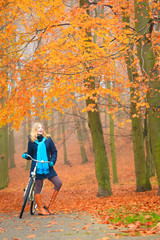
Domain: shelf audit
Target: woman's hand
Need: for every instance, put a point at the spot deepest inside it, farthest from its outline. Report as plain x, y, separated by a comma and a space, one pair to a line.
51, 164
24, 155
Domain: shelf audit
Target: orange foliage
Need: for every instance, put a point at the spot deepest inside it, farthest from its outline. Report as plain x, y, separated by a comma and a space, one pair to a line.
47, 55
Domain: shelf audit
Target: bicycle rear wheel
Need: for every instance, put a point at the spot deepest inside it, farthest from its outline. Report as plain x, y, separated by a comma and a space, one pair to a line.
26, 196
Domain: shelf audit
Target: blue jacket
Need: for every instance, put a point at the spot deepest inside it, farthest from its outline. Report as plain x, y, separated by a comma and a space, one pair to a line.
51, 153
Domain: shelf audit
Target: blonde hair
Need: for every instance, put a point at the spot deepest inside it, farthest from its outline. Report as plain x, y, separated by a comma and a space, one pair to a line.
33, 134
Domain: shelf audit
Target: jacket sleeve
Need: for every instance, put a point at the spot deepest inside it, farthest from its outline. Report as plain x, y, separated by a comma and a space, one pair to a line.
30, 150
53, 151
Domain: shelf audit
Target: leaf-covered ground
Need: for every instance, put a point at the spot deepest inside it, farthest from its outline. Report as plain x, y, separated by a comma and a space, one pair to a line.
139, 212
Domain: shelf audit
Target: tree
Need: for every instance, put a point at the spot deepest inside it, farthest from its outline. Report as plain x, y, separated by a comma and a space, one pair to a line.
52, 132
147, 58
29, 123
94, 122
11, 148
64, 139
112, 143
142, 178
80, 137
59, 127
4, 177
24, 135
149, 156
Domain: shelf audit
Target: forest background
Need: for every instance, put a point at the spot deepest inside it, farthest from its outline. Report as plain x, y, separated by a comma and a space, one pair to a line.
90, 67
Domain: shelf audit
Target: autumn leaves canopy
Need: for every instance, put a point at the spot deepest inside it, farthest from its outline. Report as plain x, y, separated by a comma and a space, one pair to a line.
49, 49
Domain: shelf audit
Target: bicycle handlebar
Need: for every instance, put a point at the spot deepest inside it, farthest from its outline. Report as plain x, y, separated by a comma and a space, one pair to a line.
42, 161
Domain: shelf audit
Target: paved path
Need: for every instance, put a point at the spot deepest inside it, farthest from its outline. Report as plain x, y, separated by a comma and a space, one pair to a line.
62, 226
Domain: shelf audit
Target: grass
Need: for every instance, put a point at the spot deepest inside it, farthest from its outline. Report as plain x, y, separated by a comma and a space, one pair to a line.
126, 216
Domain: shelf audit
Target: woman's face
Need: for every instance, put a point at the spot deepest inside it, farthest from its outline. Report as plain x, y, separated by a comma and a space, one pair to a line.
39, 129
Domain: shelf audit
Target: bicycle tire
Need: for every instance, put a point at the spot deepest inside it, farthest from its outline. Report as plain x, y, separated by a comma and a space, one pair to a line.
26, 197
33, 207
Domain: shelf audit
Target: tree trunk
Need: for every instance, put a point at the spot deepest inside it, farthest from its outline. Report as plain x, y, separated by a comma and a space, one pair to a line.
28, 164
24, 135
113, 152
147, 62
4, 177
100, 155
149, 157
112, 144
59, 126
52, 125
64, 140
45, 124
85, 134
94, 122
80, 138
11, 149
142, 178
105, 118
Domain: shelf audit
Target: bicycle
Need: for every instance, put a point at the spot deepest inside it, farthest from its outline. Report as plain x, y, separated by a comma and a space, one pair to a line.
29, 190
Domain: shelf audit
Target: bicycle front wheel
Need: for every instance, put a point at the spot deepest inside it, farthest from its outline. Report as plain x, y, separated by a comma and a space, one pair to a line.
33, 207
26, 196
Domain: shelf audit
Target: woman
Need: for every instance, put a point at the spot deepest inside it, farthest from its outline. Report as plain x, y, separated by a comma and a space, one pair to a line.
41, 147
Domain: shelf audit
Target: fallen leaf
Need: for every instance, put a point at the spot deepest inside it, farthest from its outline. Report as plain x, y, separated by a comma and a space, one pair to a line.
85, 226
31, 236
131, 225
58, 230
2, 230
104, 238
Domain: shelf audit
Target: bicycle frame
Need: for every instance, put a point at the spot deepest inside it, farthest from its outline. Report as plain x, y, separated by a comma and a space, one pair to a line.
29, 190
33, 176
